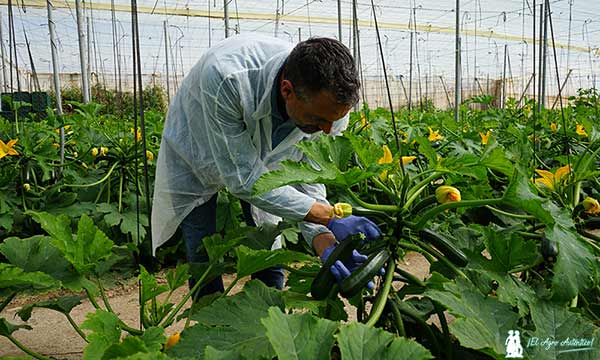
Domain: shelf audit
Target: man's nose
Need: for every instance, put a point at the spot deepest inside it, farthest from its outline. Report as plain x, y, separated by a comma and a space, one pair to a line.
326, 128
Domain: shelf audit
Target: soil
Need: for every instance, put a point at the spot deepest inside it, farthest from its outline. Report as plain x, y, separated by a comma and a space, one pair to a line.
53, 336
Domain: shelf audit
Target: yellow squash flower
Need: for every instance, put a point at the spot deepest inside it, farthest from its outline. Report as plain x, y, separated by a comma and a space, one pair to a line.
149, 155
434, 135
94, 152
485, 137
341, 210
173, 340
407, 159
553, 180
26, 187
580, 130
554, 127
591, 206
7, 149
445, 194
387, 156
103, 151
139, 133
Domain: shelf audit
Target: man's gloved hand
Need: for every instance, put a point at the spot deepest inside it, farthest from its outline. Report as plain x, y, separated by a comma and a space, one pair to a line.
352, 225
341, 271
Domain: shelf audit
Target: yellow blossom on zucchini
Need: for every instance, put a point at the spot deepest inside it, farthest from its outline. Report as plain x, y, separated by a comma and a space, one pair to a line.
387, 156
103, 151
591, 205
434, 135
341, 210
445, 194
554, 127
149, 155
485, 137
172, 340
553, 180
7, 149
139, 133
407, 159
580, 130
26, 187
94, 152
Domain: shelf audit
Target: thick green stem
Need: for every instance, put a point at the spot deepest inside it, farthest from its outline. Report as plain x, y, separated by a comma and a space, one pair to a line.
440, 257
196, 287
7, 301
382, 296
103, 295
505, 213
230, 286
387, 208
406, 309
410, 277
417, 249
76, 327
92, 299
397, 319
423, 184
97, 182
453, 205
448, 338
27, 350
383, 187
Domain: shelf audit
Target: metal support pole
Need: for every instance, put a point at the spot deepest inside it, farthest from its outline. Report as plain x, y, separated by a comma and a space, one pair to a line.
89, 57
410, 72
4, 76
299, 34
167, 61
56, 77
446, 91
503, 97
562, 88
355, 42
526, 88
226, 17
85, 85
339, 5
544, 59
277, 20
457, 70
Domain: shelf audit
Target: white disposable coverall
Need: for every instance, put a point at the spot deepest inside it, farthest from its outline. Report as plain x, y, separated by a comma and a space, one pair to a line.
217, 134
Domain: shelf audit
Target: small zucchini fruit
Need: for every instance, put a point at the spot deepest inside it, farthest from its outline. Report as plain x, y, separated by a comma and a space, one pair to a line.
353, 284
445, 246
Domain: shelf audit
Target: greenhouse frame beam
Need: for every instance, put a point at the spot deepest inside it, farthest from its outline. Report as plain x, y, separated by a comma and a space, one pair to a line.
68, 4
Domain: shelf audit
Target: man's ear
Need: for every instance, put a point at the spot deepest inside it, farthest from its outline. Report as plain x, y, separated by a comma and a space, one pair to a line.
287, 89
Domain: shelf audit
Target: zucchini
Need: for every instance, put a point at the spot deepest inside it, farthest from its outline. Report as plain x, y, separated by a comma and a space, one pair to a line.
354, 283
445, 246
324, 281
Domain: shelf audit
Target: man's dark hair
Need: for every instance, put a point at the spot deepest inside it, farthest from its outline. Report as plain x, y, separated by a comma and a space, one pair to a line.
323, 64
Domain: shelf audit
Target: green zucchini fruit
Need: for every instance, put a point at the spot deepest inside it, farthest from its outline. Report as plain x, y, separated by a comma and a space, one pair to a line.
351, 285
324, 281
445, 246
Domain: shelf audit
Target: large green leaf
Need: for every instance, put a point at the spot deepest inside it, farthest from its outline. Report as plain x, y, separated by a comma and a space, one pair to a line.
576, 268
361, 342
217, 247
210, 353
131, 345
553, 322
7, 328
508, 250
250, 261
63, 304
481, 322
15, 278
106, 331
38, 254
495, 158
232, 323
330, 155
150, 287
84, 251
299, 336
178, 277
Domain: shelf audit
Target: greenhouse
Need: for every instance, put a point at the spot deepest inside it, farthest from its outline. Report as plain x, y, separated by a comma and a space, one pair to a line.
300, 179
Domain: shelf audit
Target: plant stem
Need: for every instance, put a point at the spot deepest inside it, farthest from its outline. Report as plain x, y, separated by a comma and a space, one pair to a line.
121, 191
76, 327
27, 350
417, 249
383, 187
300, 272
388, 208
92, 299
406, 309
103, 295
382, 296
440, 313
505, 213
230, 286
419, 187
453, 205
397, 319
440, 257
97, 182
410, 277
196, 287
7, 301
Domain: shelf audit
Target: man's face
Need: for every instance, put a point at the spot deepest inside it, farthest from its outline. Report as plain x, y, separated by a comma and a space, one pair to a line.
317, 114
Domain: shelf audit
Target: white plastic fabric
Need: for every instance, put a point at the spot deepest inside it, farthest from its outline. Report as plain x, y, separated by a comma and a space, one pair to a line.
218, 134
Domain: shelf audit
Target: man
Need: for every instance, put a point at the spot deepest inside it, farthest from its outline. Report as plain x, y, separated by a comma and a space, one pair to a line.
239, 113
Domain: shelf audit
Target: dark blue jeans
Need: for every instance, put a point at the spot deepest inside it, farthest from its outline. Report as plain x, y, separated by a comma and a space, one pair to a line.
202, 222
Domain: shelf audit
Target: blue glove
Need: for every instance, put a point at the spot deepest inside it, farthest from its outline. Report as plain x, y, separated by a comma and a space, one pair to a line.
341, 271
352, 225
